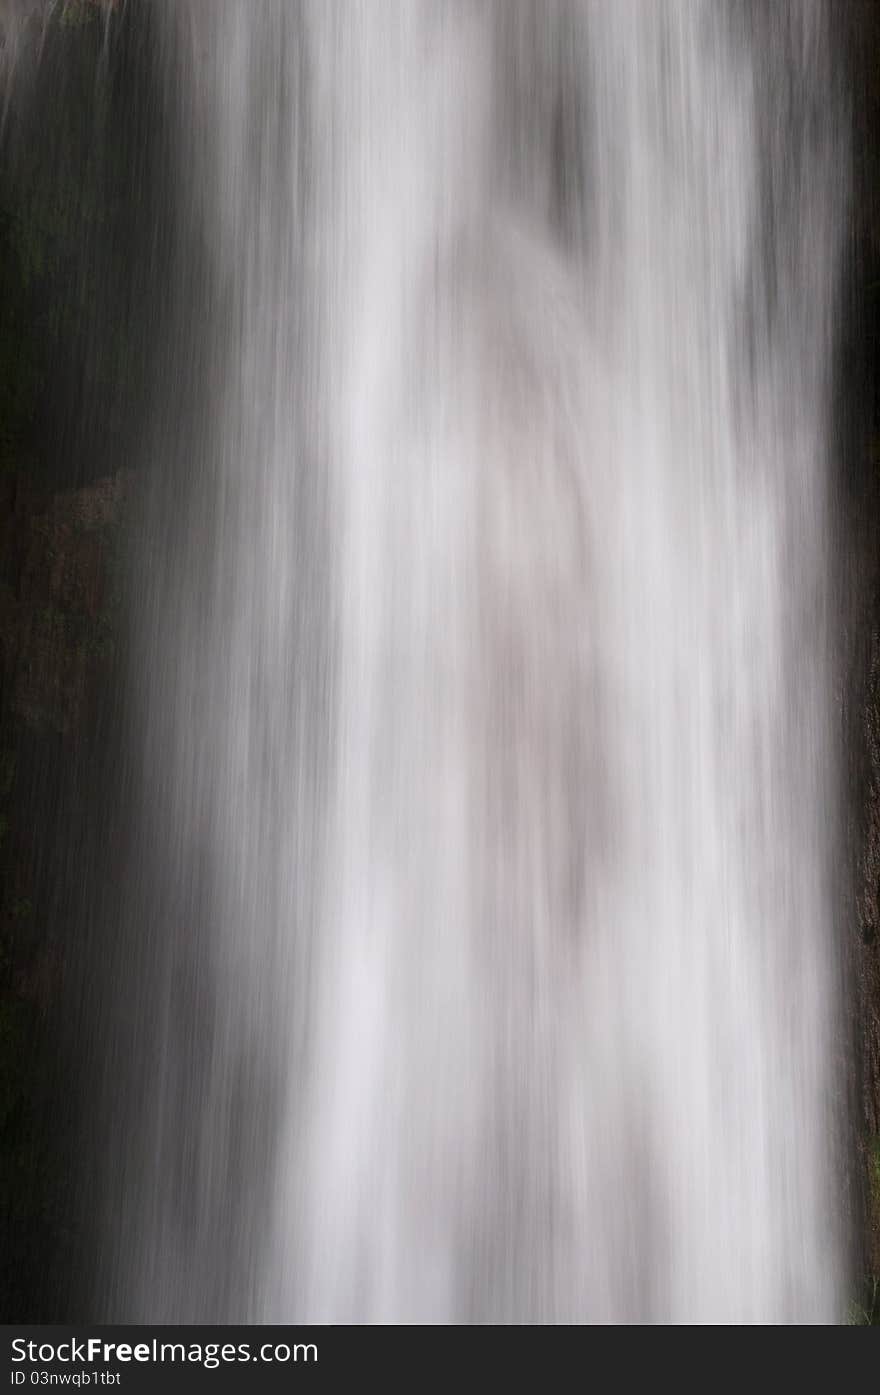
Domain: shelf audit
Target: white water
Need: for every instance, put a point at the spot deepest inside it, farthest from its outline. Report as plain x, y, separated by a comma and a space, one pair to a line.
495, 675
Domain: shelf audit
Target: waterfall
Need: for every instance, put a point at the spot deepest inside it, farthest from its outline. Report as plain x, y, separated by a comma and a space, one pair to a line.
480, 629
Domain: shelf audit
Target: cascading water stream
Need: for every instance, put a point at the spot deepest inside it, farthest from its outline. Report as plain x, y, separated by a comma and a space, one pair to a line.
481, 638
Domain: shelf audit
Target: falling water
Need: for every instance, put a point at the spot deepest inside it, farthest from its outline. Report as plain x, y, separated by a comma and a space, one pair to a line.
481, 637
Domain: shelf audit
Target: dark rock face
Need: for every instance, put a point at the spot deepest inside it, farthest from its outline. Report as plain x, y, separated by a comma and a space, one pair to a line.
58, 587
56, 599
857, 497
83, 243
868, 962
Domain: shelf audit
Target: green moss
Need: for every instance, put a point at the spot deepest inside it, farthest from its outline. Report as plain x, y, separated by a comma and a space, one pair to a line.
874, 1175
75, 13
865, 1312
